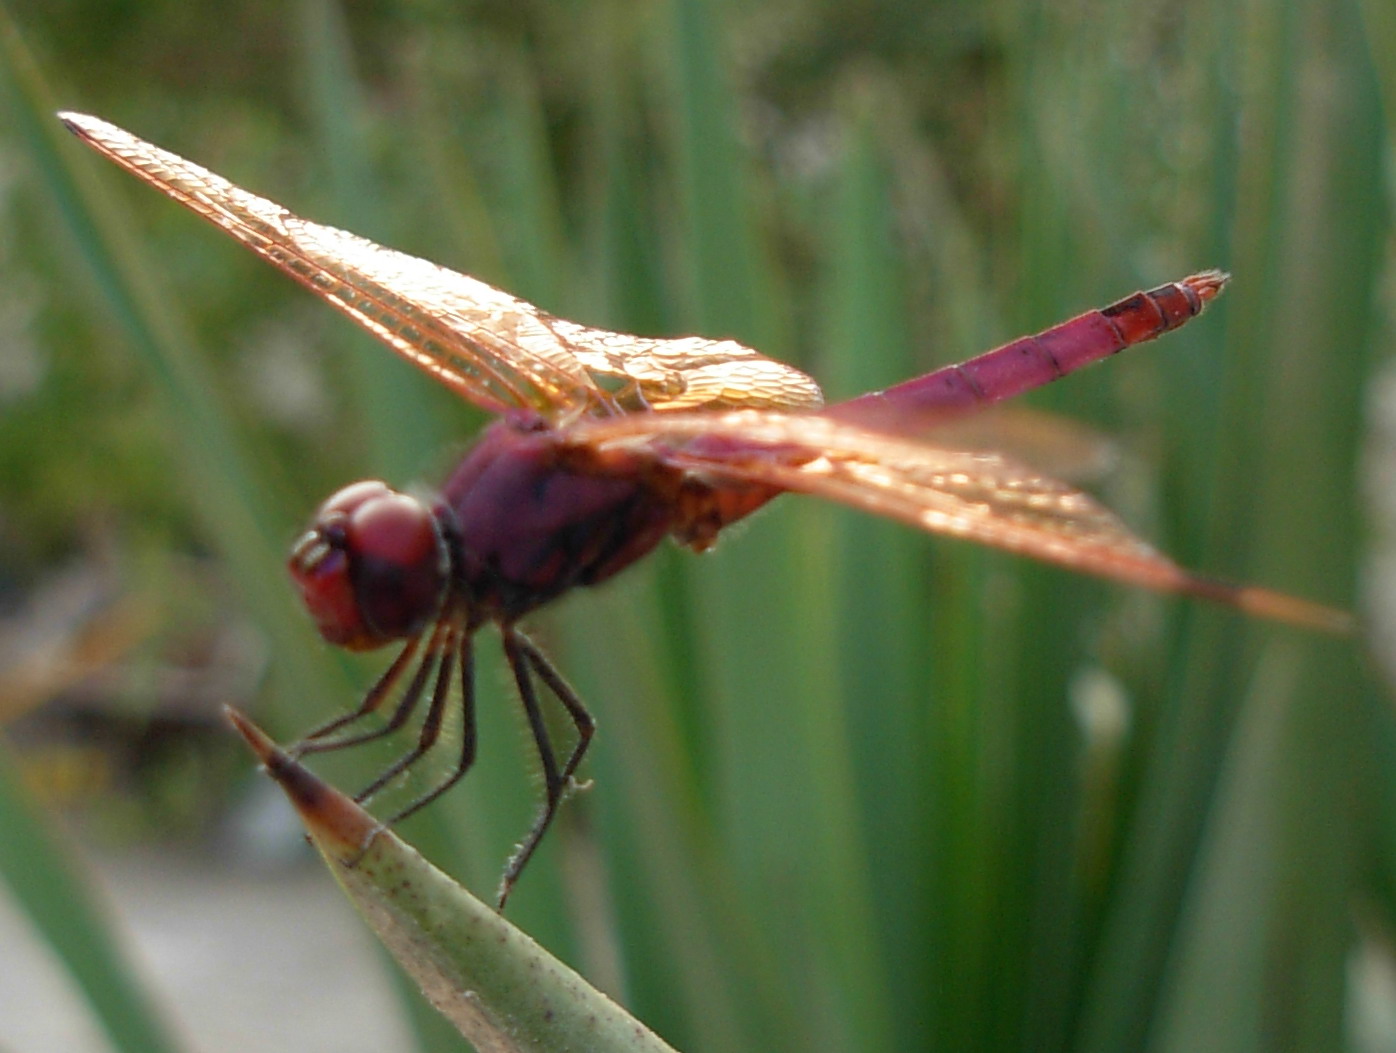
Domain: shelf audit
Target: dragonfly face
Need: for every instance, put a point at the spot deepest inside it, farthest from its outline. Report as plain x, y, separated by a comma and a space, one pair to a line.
372, 568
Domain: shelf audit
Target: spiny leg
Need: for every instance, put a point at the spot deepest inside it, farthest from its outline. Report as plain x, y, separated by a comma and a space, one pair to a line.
372, 700
582, 719
431, 723
406, 706
523, 654
468, 732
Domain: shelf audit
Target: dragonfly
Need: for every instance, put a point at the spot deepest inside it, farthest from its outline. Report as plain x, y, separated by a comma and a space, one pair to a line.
606, 443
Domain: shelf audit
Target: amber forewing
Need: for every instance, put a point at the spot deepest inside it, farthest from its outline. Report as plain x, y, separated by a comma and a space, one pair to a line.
491, 348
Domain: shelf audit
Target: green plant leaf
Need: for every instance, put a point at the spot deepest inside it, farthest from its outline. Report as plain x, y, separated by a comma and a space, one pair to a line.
504, 992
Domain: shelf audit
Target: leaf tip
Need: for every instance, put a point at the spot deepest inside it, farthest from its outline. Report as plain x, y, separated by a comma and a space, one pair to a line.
337, 824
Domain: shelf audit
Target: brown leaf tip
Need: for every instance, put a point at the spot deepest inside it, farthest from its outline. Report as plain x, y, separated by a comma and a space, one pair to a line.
306, 790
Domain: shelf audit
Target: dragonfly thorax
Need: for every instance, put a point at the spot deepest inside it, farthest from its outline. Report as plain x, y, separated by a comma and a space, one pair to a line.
526, 519
373, 566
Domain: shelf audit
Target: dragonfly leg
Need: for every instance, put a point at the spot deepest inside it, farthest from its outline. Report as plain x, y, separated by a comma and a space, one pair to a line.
430, 730
582, 719
524, 660
309, 742
466, 658
314, 743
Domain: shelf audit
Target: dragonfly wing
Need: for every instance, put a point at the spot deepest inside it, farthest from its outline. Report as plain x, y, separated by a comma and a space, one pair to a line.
976, 495
488, 346
689, 372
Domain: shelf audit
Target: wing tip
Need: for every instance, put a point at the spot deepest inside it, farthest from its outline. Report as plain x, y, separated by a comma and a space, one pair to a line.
80, 124
1302, 613
1276, 606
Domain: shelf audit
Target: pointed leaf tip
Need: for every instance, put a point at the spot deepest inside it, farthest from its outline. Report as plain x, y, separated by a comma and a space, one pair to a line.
257, 739
339, 827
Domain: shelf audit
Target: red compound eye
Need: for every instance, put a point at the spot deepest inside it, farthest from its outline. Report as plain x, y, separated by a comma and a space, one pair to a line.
371, 569
353, 497
394, 528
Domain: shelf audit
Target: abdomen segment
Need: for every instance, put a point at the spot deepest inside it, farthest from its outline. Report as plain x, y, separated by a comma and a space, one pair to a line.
1032, 361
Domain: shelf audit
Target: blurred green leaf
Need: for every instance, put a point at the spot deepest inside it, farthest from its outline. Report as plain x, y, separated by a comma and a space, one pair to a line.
43, 878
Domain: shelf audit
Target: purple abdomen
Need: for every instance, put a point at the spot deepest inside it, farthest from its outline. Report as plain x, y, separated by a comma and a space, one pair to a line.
529, 528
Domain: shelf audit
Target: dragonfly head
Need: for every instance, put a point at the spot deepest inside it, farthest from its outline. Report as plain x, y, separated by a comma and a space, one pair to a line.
372, 568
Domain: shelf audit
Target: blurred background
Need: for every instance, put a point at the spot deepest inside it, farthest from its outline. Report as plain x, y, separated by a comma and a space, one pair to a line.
855, 788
